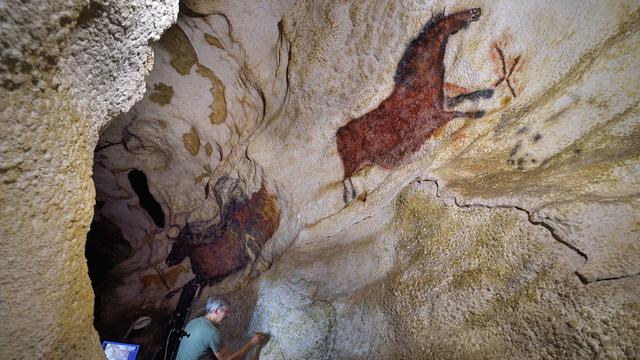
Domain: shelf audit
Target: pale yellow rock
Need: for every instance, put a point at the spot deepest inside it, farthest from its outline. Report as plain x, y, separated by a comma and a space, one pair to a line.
64, 74
514, 235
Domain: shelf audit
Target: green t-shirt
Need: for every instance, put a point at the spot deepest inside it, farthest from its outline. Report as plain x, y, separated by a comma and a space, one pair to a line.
203, 338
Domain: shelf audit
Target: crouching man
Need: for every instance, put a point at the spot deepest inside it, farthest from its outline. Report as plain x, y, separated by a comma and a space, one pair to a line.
205, 338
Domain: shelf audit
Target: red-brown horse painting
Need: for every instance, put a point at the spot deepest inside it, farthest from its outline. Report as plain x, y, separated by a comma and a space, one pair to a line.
388, 135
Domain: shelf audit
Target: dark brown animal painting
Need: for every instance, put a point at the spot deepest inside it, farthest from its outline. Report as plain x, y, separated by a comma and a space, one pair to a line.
388, 135
218, 250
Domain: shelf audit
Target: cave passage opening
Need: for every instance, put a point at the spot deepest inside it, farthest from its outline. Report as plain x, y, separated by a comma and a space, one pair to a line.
170, 217
140, 185
146, 197
106, 245
112, 248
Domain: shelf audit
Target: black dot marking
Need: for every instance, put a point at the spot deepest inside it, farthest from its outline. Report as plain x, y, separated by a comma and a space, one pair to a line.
514, 150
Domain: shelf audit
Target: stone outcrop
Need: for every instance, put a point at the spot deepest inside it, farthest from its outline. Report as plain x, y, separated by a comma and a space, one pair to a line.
66, 68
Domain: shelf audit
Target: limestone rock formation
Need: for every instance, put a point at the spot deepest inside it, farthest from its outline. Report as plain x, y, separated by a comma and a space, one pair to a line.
66, 68
496, 219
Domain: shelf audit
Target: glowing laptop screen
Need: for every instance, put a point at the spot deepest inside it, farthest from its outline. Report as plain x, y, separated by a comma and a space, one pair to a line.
120, 351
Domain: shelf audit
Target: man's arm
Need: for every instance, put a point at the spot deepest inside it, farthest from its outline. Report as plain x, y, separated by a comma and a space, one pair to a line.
225, 353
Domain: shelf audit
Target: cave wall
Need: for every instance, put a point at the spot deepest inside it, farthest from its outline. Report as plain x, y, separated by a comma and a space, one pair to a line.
509, 231
66, 69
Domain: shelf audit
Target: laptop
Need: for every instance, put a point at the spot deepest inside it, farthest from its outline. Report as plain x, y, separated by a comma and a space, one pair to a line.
120, 351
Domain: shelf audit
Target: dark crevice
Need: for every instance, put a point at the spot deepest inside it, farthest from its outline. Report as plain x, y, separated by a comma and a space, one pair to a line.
184, 10
139, 183
105, 247
89, 12
586, 280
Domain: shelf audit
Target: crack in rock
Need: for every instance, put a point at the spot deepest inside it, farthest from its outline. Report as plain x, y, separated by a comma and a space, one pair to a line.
440, 193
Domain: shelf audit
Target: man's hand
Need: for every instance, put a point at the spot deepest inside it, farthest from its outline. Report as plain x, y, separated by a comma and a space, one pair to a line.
225, 354
257, 339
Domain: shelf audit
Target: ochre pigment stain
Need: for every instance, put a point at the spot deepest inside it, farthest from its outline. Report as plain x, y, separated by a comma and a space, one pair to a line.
162, 94
219, 250
191, 141
388, 135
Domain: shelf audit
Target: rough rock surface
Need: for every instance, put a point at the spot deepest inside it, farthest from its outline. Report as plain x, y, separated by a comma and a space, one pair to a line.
66, 68
510, 231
